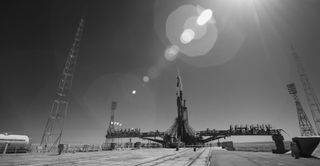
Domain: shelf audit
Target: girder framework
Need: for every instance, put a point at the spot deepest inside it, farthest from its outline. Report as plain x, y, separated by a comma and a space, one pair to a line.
182, 132
305, 126
253, 130
311, 96
54, 127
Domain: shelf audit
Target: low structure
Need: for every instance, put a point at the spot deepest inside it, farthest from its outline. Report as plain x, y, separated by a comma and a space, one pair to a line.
306, 144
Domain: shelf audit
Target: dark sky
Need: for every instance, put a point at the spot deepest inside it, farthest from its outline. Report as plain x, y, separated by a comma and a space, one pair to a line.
124, 40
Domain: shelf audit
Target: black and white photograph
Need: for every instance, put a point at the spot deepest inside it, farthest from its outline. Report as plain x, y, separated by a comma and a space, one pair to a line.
160, 83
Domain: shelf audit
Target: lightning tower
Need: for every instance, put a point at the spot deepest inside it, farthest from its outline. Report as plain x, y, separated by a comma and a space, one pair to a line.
109, 142
306, 128
111, 123
311, 96
53, 131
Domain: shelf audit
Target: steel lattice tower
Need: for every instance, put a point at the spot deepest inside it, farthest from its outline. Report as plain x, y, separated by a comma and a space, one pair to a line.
312, 98
111, 123
111, 128
53, 131
306, 128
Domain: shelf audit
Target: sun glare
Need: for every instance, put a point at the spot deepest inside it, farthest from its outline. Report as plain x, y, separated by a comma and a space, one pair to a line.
187, 36
171, 53
145, 79
204, 17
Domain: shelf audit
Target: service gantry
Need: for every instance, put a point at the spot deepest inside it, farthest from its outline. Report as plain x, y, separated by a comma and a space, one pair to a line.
53, 130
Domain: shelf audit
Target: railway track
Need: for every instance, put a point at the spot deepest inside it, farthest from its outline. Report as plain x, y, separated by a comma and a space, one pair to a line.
186, 157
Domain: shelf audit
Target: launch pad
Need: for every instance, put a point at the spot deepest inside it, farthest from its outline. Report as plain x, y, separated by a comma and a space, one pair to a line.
182, 134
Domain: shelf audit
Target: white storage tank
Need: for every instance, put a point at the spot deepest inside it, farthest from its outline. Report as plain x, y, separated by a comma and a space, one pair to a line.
16, 143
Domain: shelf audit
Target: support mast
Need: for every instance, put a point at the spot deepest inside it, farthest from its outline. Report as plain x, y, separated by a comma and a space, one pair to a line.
312, 98
53, 131
111, 123
306, 128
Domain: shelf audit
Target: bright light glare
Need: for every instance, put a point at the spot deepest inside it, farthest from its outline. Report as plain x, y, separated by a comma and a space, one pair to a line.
204, 17
187, 36
171, 53
134, 92
145, 79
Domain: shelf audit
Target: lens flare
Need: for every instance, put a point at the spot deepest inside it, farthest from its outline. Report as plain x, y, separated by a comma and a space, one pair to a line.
187, 36
192, 44
199, 31
171, 53
145, 79
204, 17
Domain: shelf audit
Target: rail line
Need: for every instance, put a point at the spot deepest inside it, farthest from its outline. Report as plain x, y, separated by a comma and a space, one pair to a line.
162, 157
186, 157
192, 161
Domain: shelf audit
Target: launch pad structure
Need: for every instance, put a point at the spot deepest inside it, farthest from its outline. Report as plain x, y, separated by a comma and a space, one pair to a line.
54, 127
182, 134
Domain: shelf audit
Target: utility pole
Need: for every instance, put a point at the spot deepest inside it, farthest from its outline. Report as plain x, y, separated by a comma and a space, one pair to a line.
53, 130
312, 98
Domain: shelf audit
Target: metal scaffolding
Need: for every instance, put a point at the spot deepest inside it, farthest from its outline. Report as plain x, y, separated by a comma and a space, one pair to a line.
53, 130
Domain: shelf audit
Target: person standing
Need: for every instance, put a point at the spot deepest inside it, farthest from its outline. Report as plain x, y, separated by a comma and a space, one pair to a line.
60, 148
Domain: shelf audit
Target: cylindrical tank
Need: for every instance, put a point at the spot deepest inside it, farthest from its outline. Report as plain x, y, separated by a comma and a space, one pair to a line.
15, 143
14, 139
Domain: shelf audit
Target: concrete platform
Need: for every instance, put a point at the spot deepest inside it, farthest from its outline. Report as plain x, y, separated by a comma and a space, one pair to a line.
160, 157
236, 158
141, 157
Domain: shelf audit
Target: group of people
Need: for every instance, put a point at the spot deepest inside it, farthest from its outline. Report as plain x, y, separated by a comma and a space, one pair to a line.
252, 129
124, 132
